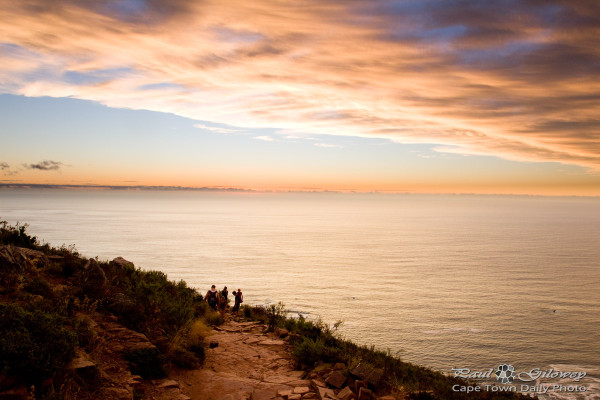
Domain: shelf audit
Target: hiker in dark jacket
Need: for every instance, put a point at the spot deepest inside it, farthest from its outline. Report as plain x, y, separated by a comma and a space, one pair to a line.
239, 299
212, 297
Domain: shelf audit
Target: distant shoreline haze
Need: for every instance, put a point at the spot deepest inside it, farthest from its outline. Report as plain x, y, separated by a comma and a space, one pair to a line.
248, 190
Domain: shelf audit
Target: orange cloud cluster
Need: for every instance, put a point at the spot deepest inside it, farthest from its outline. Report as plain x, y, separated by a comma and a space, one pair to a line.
519, 80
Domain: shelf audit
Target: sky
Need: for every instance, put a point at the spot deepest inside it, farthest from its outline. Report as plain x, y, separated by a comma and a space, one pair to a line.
428, 96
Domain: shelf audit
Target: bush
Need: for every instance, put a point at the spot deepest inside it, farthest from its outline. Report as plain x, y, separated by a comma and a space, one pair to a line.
275, 315
184, 358
39, 286
16, 235
33, 345
247, 310
147, 362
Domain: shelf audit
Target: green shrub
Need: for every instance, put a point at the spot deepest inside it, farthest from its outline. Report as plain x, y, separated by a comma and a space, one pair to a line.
309, 351
147, 362
39, 286
33, 345
275, 315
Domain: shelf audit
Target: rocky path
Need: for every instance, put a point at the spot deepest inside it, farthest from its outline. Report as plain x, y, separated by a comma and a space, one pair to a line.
247, 363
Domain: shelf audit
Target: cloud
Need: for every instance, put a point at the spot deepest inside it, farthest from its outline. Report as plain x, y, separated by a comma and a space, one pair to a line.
6, 169
513, 79
265, 138
216, 129
327, 145
46, 165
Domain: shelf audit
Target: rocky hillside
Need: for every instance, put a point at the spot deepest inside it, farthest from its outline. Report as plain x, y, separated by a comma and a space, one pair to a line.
77, 328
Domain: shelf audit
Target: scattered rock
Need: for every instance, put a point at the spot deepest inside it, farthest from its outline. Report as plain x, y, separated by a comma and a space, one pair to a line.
339, 366
169, 384
294, 396
316, 383
252, 340
284, 393
359, 384
301, 390
310, 395
346, 394
336, 379
325, 393
364, 394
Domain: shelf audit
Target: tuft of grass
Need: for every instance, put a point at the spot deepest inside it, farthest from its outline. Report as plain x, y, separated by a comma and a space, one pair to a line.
214, 318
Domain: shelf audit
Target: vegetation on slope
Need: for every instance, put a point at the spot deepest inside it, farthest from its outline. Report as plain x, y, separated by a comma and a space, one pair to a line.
51, 297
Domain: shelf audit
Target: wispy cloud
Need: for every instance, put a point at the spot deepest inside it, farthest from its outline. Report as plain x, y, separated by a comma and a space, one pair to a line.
327, 145
265, 138
514, 79
7, 170
46, 165
216, 129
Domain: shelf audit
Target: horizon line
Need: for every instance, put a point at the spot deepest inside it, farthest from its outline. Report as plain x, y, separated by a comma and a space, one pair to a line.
246, 190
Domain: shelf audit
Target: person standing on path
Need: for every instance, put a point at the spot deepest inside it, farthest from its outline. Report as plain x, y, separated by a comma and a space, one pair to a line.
239, 299
212, 298
224, 294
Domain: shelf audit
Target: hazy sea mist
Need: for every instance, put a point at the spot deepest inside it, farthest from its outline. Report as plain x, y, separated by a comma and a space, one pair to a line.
446, 281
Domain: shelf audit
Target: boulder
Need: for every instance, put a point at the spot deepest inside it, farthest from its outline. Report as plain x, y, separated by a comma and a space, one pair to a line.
281, 332
84, 367
121, 262
367, 373
346, 394
336, 379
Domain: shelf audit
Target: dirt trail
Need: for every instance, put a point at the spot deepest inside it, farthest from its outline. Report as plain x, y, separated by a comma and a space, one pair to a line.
247, 364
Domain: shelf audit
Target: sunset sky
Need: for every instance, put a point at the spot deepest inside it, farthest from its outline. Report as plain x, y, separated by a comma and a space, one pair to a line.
402, 96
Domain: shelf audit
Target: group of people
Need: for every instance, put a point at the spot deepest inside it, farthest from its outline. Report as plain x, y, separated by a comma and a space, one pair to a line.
219, 300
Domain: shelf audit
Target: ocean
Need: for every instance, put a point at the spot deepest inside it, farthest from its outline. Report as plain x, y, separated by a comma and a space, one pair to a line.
445, 281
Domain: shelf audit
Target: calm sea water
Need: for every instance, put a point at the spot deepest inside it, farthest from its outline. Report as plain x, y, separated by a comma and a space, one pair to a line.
444, 281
